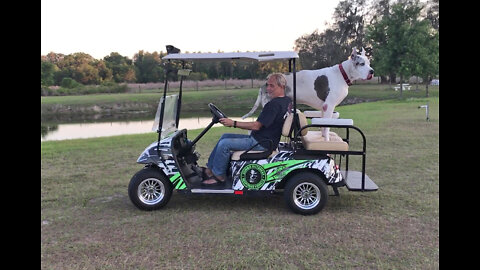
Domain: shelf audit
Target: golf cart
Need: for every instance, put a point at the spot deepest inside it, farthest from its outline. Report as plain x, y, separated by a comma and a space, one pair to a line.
302, 166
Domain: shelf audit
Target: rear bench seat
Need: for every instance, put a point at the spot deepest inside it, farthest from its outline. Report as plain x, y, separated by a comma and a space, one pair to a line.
313, 140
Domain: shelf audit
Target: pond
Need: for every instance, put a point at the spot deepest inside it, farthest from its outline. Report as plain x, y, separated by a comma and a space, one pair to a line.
68, 131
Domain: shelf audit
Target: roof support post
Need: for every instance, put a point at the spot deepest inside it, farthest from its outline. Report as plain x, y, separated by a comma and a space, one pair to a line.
296, 121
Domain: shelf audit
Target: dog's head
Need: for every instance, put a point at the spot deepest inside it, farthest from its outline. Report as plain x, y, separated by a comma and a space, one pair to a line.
361, 65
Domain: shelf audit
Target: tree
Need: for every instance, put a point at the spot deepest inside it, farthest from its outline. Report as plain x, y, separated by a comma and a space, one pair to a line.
104, 72
86, 74
319, 50
423, 57
433, 68
225, 70
433, 14
79, 66
121, 66
349, 23
403, 42
213, 70
333, 46
380, 9
47, 73
53, 58
148, 67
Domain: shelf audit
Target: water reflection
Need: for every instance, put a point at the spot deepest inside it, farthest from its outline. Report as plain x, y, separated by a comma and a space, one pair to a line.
90, 130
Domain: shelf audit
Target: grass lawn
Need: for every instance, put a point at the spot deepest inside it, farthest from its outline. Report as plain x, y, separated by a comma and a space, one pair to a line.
88, 221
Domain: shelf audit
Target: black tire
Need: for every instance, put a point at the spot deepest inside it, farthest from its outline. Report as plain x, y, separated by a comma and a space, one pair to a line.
149, 189
306, 193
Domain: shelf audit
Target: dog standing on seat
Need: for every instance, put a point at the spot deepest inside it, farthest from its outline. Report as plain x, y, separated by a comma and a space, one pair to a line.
323, 89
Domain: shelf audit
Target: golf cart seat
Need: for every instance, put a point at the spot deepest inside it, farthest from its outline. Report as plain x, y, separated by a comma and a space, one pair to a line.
252, 154
313, 139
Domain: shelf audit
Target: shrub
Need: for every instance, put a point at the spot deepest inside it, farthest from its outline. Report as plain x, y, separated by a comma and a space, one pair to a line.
67, 89
69, 83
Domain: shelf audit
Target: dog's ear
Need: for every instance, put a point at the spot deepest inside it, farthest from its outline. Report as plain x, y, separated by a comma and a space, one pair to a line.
354, 54
363, 51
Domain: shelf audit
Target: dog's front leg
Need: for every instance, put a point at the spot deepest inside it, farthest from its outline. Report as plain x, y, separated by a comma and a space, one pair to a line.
327, 113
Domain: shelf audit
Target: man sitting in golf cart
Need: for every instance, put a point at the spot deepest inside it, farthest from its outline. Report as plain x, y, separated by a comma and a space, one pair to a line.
266, 131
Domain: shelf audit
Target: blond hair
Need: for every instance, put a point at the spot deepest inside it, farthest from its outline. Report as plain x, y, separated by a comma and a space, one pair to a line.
279, 78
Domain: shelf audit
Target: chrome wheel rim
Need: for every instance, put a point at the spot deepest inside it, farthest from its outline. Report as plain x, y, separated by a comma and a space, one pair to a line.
306, 196
151, 191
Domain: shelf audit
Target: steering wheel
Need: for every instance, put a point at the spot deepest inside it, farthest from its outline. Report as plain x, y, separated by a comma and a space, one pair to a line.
217, 114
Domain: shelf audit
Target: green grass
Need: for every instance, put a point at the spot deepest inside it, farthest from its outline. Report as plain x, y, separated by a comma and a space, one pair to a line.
88, 221
198, 100
145, 97
376, 91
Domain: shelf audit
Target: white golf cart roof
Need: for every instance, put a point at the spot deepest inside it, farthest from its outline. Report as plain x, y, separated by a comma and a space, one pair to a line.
259, 56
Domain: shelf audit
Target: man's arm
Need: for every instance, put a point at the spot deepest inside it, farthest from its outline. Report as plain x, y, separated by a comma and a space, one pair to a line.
243, 125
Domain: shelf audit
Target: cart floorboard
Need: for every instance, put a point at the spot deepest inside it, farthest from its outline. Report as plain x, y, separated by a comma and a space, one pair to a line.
353, 181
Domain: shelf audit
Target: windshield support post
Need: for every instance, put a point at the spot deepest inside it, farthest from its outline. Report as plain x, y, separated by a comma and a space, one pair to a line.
179, 104
160, 122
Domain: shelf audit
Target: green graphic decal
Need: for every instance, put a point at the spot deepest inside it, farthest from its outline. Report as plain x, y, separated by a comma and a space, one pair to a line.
266, 174
278, 170
177, 181
253, 176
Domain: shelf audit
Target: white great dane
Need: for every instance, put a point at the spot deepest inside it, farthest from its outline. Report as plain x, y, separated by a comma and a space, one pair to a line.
323, 89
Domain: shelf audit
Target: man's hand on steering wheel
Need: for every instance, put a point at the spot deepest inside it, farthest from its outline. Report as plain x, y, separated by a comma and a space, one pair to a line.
226, 122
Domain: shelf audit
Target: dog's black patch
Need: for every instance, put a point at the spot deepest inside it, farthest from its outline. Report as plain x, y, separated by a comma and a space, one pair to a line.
321, 87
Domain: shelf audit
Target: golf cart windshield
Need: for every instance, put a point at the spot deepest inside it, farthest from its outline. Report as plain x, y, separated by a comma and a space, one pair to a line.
169, 116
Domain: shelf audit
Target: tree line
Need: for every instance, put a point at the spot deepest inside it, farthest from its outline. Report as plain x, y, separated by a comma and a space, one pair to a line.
400, 37
145, 67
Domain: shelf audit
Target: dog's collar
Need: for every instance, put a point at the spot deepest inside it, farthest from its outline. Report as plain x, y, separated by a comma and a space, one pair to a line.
345, 77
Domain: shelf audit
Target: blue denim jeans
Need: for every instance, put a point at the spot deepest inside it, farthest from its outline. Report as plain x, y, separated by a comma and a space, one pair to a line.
219, 159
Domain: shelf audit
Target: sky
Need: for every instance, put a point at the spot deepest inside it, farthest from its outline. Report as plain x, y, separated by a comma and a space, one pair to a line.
99, 27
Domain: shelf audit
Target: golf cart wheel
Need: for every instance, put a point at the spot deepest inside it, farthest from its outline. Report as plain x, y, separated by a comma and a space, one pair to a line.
149, 189
306, 193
